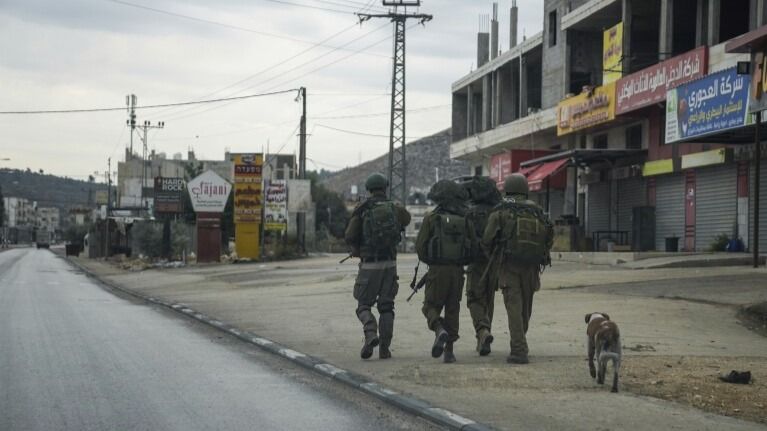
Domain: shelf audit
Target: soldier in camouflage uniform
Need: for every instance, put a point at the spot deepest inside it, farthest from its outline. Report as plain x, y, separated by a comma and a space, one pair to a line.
376, 281
444, 279
517, 280
481, 280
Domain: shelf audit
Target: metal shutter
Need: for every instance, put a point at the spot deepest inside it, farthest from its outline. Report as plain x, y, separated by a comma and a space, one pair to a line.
557, 203
632, 192
762, 207
669, 209
716, 201
598, 216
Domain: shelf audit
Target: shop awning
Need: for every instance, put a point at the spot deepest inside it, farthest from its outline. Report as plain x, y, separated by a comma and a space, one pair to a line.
528, 170
536, 178
585, 157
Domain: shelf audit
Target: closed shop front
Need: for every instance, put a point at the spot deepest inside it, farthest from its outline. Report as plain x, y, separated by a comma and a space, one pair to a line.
669, 209
632, 192
762, 208
716, 201
598, 208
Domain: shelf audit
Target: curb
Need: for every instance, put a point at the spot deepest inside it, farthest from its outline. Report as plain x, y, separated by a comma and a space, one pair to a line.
356, 381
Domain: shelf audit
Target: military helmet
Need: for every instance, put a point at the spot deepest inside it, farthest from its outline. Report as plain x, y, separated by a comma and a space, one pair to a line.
483, 189
376, 181
516, 184
444, 191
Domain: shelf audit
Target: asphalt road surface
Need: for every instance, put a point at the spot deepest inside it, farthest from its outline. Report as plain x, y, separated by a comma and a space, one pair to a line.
74, 356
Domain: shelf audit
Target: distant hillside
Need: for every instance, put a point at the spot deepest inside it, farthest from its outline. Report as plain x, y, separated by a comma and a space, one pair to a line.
49, 190
423, 156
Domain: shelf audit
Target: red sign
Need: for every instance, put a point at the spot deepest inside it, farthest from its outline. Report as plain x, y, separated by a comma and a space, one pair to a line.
649, 86
500, 167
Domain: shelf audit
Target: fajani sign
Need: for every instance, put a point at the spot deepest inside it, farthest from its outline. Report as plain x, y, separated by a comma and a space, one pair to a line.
209, 192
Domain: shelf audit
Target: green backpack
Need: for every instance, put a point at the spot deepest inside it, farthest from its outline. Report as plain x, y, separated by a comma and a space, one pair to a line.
452, 240
381, 231
525, 233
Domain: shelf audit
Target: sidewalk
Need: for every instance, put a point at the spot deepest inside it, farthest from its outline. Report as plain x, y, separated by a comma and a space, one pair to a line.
307, 305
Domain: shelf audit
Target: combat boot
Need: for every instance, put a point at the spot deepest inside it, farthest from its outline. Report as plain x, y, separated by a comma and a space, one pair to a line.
384, 352
371, 341
439, 342
484, 340
448, 357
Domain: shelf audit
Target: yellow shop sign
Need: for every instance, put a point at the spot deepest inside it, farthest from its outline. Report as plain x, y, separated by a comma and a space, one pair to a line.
587, 109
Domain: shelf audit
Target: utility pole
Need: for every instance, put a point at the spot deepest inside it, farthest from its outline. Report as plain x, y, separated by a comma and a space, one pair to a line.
145, 140
130, 102
109, 207
397, 161
301, 225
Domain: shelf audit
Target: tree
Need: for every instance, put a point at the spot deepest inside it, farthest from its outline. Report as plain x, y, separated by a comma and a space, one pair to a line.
331, 209
191, 170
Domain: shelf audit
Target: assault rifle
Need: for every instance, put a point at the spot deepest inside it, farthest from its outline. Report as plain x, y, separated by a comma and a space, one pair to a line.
416, 286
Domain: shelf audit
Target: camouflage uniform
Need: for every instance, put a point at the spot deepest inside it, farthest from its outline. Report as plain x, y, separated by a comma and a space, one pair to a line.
444, 287
518, 282
376, 281
481, 281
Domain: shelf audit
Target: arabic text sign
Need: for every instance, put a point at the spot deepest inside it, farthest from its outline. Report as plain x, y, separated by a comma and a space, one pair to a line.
586, 110
713, 104
612, 54
247, 167
276, 205
649, 86
248, 193
209, 192
500, 167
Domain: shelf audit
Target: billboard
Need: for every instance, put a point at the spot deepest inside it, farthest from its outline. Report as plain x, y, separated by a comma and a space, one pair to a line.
758, 99
649, 86
209, 192
710, 105
276, 205
612, 54
248, 191
587, 109
167, 194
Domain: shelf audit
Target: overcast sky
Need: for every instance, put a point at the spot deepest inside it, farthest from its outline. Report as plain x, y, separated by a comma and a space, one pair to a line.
76, 54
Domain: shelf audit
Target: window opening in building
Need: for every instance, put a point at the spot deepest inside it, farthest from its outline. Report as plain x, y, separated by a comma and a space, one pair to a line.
478, 170
553, 28
734, 19
634, 137
600, 142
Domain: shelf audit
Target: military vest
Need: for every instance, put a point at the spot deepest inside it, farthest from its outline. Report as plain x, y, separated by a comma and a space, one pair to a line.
525, 232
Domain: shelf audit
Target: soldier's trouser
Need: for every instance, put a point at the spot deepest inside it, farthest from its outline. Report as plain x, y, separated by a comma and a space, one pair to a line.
377, 283
444, 287
480, 295
518, 285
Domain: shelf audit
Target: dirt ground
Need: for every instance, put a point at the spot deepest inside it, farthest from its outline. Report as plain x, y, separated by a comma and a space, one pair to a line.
693, 380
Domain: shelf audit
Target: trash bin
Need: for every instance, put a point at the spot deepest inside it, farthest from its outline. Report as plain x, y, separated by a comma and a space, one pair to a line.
672, 244
73, 249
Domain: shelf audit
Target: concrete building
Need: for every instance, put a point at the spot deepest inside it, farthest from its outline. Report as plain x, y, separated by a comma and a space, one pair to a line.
135, 172
580, 108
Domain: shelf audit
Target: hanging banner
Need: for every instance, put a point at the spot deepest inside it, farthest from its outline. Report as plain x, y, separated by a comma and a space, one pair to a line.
500, 167
649, 86
248, 192
710, 105
276, 205
587, 109
612, 54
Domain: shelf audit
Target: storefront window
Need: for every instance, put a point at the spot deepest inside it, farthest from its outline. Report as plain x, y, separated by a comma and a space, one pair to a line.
600, 142
634, 137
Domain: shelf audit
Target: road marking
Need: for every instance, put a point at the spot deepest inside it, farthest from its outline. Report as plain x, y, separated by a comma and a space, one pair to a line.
261, 341
292, 354
460, 419
329, 369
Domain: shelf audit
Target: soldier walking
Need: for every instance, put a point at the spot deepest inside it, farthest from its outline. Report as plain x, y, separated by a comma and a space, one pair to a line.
446, 242
519, 236
373, 233
481, 279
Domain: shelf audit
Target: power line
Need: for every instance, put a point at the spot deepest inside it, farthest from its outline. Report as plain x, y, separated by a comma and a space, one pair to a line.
165, 105
302, 75
353, 132
381, 114
216, 23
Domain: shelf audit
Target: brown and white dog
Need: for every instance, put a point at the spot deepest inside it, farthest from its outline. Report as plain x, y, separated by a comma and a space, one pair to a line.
605, 342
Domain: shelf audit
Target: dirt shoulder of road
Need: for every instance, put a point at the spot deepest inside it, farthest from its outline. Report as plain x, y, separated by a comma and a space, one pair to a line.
674, 349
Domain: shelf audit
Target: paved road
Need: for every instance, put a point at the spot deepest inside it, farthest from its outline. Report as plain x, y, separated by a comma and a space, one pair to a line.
76, 357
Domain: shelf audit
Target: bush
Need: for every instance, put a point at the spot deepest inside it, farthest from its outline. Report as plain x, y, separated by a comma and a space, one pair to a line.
74, 234
147, 238
720, 243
